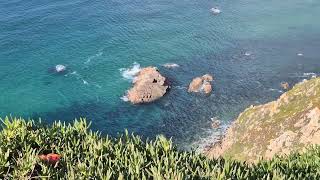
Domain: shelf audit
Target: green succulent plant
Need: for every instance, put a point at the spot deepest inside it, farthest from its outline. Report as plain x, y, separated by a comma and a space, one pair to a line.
88, 155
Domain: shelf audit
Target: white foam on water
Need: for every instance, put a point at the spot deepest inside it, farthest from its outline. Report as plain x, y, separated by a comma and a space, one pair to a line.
60, 68
79, 77
278, 90
100, 53
213, 135
215, 10
178, 87
247, 53
131, 72
313, 75
170, 65
300, 54
124, 98
85, 82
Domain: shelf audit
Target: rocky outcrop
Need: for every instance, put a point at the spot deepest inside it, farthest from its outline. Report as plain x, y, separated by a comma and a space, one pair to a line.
288, 124
149, 85
201, 84
285, 85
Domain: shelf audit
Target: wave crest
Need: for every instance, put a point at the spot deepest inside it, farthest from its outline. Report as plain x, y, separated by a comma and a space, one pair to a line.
131, 72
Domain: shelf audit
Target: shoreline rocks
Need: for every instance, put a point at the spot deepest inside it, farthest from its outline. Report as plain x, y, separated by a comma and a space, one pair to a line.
289, 124
285, 85
148, 86
201, 84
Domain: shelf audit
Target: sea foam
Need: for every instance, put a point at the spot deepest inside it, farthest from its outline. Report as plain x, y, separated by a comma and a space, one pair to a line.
100, 53
131, 72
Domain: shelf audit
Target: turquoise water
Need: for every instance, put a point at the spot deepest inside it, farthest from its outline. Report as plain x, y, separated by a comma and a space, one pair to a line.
95, 39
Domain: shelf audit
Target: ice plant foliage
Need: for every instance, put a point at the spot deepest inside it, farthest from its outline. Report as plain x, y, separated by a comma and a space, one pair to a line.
30, 150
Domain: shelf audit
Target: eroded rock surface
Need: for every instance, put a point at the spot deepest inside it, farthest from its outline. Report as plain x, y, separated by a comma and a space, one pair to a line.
201, 84
149, 85
288, 124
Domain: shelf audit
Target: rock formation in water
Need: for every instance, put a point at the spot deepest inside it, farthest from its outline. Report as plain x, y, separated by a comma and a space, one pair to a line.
201, 84
60, 68
285, 85
149, 85
288, 124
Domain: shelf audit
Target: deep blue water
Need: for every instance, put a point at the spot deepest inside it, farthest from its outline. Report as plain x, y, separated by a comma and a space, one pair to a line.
95, 39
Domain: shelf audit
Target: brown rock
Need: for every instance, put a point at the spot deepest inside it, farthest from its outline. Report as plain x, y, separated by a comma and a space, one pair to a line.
215, 123
149, 85
289, 124
195, 85
207, 77
207, 88
201, 84
285, 85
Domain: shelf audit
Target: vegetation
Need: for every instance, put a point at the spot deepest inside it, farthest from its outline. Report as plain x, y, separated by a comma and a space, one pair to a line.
287, 124
87, 155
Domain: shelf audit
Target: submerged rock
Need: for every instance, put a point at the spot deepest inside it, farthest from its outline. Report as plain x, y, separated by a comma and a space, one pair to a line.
291, 123
149, 85
215, 123
201, 84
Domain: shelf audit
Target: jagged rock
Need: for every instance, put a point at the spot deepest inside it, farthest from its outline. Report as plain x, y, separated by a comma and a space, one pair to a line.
285, 85
201, 84
215, 123
291, 123
149, 85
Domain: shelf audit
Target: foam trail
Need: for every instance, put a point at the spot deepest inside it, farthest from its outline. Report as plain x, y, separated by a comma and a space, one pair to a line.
79, 77
277, 90
131, 72
93, 57
313, 75
170, 65
85, 82
124, 98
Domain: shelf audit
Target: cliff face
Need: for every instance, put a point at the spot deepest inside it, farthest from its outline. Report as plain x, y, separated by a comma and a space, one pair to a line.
288, 124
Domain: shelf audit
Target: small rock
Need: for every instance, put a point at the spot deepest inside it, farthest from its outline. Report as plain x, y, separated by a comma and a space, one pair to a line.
215, 123
285, 85
60, 68
207, 77
201, 84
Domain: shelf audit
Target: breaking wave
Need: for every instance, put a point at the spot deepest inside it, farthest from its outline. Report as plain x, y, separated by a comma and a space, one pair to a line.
131, 72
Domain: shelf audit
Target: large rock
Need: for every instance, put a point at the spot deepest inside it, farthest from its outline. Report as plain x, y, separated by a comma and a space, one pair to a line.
291, 123
201, 84
149, 85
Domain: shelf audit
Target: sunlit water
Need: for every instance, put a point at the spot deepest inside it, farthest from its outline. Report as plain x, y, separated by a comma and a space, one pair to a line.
250, 48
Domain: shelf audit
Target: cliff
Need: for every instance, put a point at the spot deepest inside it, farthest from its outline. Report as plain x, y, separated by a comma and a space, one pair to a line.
286, 125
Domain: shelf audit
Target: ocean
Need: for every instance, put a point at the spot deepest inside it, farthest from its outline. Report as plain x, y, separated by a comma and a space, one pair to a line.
250, 48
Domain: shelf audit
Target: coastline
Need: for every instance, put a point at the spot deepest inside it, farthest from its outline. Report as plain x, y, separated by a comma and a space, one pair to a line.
289, 124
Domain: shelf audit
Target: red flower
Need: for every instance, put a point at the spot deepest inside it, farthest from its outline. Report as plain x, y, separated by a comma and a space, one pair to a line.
51, 158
